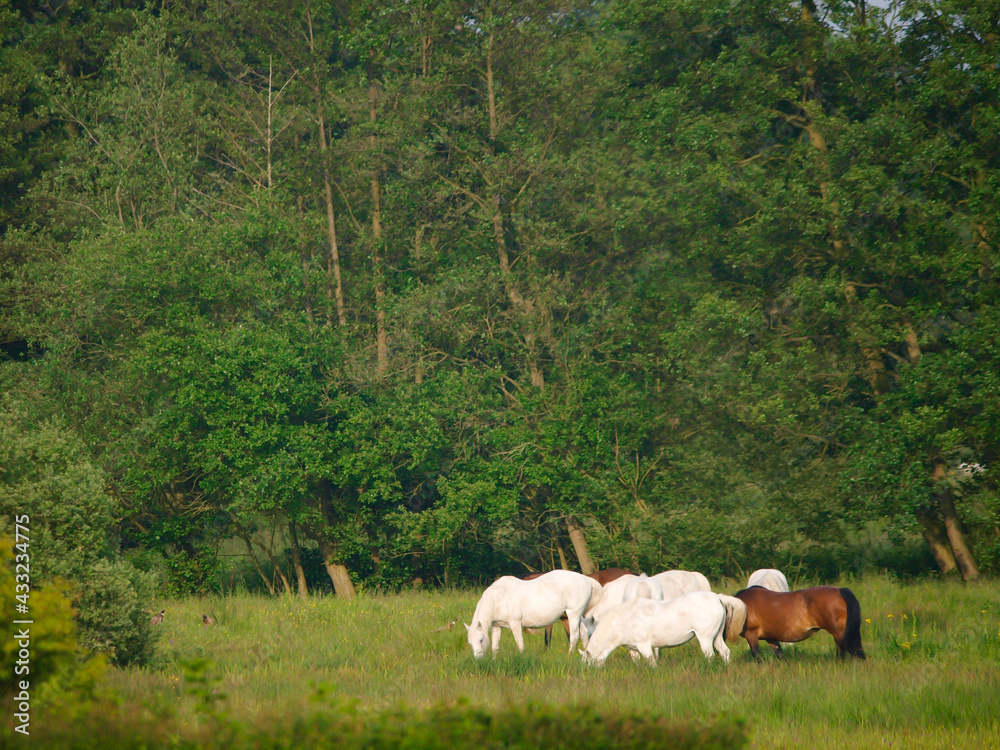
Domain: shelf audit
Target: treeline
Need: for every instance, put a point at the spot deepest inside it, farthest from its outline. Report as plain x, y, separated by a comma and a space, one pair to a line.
443, 290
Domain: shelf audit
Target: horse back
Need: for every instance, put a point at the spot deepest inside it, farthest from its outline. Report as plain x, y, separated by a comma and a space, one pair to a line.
608, 575
794, 615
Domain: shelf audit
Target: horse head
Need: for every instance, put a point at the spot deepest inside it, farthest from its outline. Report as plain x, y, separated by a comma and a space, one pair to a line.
477, 638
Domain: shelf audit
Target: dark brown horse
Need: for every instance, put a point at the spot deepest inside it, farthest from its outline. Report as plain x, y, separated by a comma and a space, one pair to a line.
603, 577
792, 616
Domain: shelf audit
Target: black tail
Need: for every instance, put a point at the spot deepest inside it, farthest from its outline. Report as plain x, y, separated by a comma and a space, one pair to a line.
850, 641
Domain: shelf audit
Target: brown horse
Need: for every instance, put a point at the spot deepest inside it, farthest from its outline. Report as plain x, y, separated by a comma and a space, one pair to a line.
774, 617
601, 576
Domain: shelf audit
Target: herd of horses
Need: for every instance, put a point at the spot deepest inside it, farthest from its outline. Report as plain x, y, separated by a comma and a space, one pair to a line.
613, 607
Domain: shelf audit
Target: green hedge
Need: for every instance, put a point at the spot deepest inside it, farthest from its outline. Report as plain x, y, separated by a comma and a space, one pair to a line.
453, 727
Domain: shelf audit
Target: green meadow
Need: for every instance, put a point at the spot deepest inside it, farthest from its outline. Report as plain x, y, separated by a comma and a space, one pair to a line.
931, 680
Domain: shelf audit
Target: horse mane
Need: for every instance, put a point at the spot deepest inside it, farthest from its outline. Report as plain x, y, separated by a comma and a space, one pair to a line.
851, 641
484, 610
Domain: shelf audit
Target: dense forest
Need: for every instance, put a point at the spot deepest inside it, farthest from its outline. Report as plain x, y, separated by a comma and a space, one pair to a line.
417, 290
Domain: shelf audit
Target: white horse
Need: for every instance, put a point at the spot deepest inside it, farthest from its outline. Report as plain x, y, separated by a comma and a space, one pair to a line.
769, 578
676, 583
510, 602
611, 597
643, 587
622, 589
645, 624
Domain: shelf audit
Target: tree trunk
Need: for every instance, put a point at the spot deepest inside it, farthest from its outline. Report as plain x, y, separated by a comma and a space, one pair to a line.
300, 572
937, 540
580, 546
381, 339
953, 527
946, 541
342, 585
522, 306
257, 565
563, 562
334, 287
426, 44
491, 100
305, 258
276, 566
874, 371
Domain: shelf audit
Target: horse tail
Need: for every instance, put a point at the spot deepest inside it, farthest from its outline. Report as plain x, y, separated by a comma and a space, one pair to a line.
850, 640
736, 616
596, 594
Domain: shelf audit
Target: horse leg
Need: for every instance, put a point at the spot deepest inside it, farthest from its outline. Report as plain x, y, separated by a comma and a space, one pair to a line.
515, 630
548, 635
646, 650
495, 638
754, 645
720, 645
586, 630
706, 645
575, 623
776, 647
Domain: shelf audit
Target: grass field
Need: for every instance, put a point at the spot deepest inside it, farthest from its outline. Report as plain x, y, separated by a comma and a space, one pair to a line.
931, 680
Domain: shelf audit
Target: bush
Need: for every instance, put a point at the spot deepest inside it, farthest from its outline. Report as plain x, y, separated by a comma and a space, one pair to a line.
54, 652
45, 474
110, 613
455, 727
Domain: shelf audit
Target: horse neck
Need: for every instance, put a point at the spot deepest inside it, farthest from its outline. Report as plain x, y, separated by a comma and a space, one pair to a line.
484, 611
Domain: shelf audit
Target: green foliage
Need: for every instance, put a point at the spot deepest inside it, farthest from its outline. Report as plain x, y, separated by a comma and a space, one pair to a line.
54, 658
46, 474
110, 612
451, 726
716, 280
48, 477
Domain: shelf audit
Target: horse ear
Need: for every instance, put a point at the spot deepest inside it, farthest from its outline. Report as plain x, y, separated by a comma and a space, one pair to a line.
467, 628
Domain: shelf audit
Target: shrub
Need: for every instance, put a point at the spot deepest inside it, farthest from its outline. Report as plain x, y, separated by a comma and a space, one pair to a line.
46, 474
53, 649
452, 727
110, 614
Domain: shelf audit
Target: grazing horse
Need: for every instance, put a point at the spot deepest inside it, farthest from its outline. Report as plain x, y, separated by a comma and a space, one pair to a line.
603, 577
613, 596
772, 579
645, 625
510, 602
676, 583
621, 590
769, 578
643, 587
775, 616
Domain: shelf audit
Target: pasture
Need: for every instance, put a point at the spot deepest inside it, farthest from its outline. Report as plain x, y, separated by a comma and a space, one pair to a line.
931, 680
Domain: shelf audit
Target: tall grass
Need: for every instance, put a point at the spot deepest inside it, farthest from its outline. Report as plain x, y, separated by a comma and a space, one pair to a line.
931, 678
